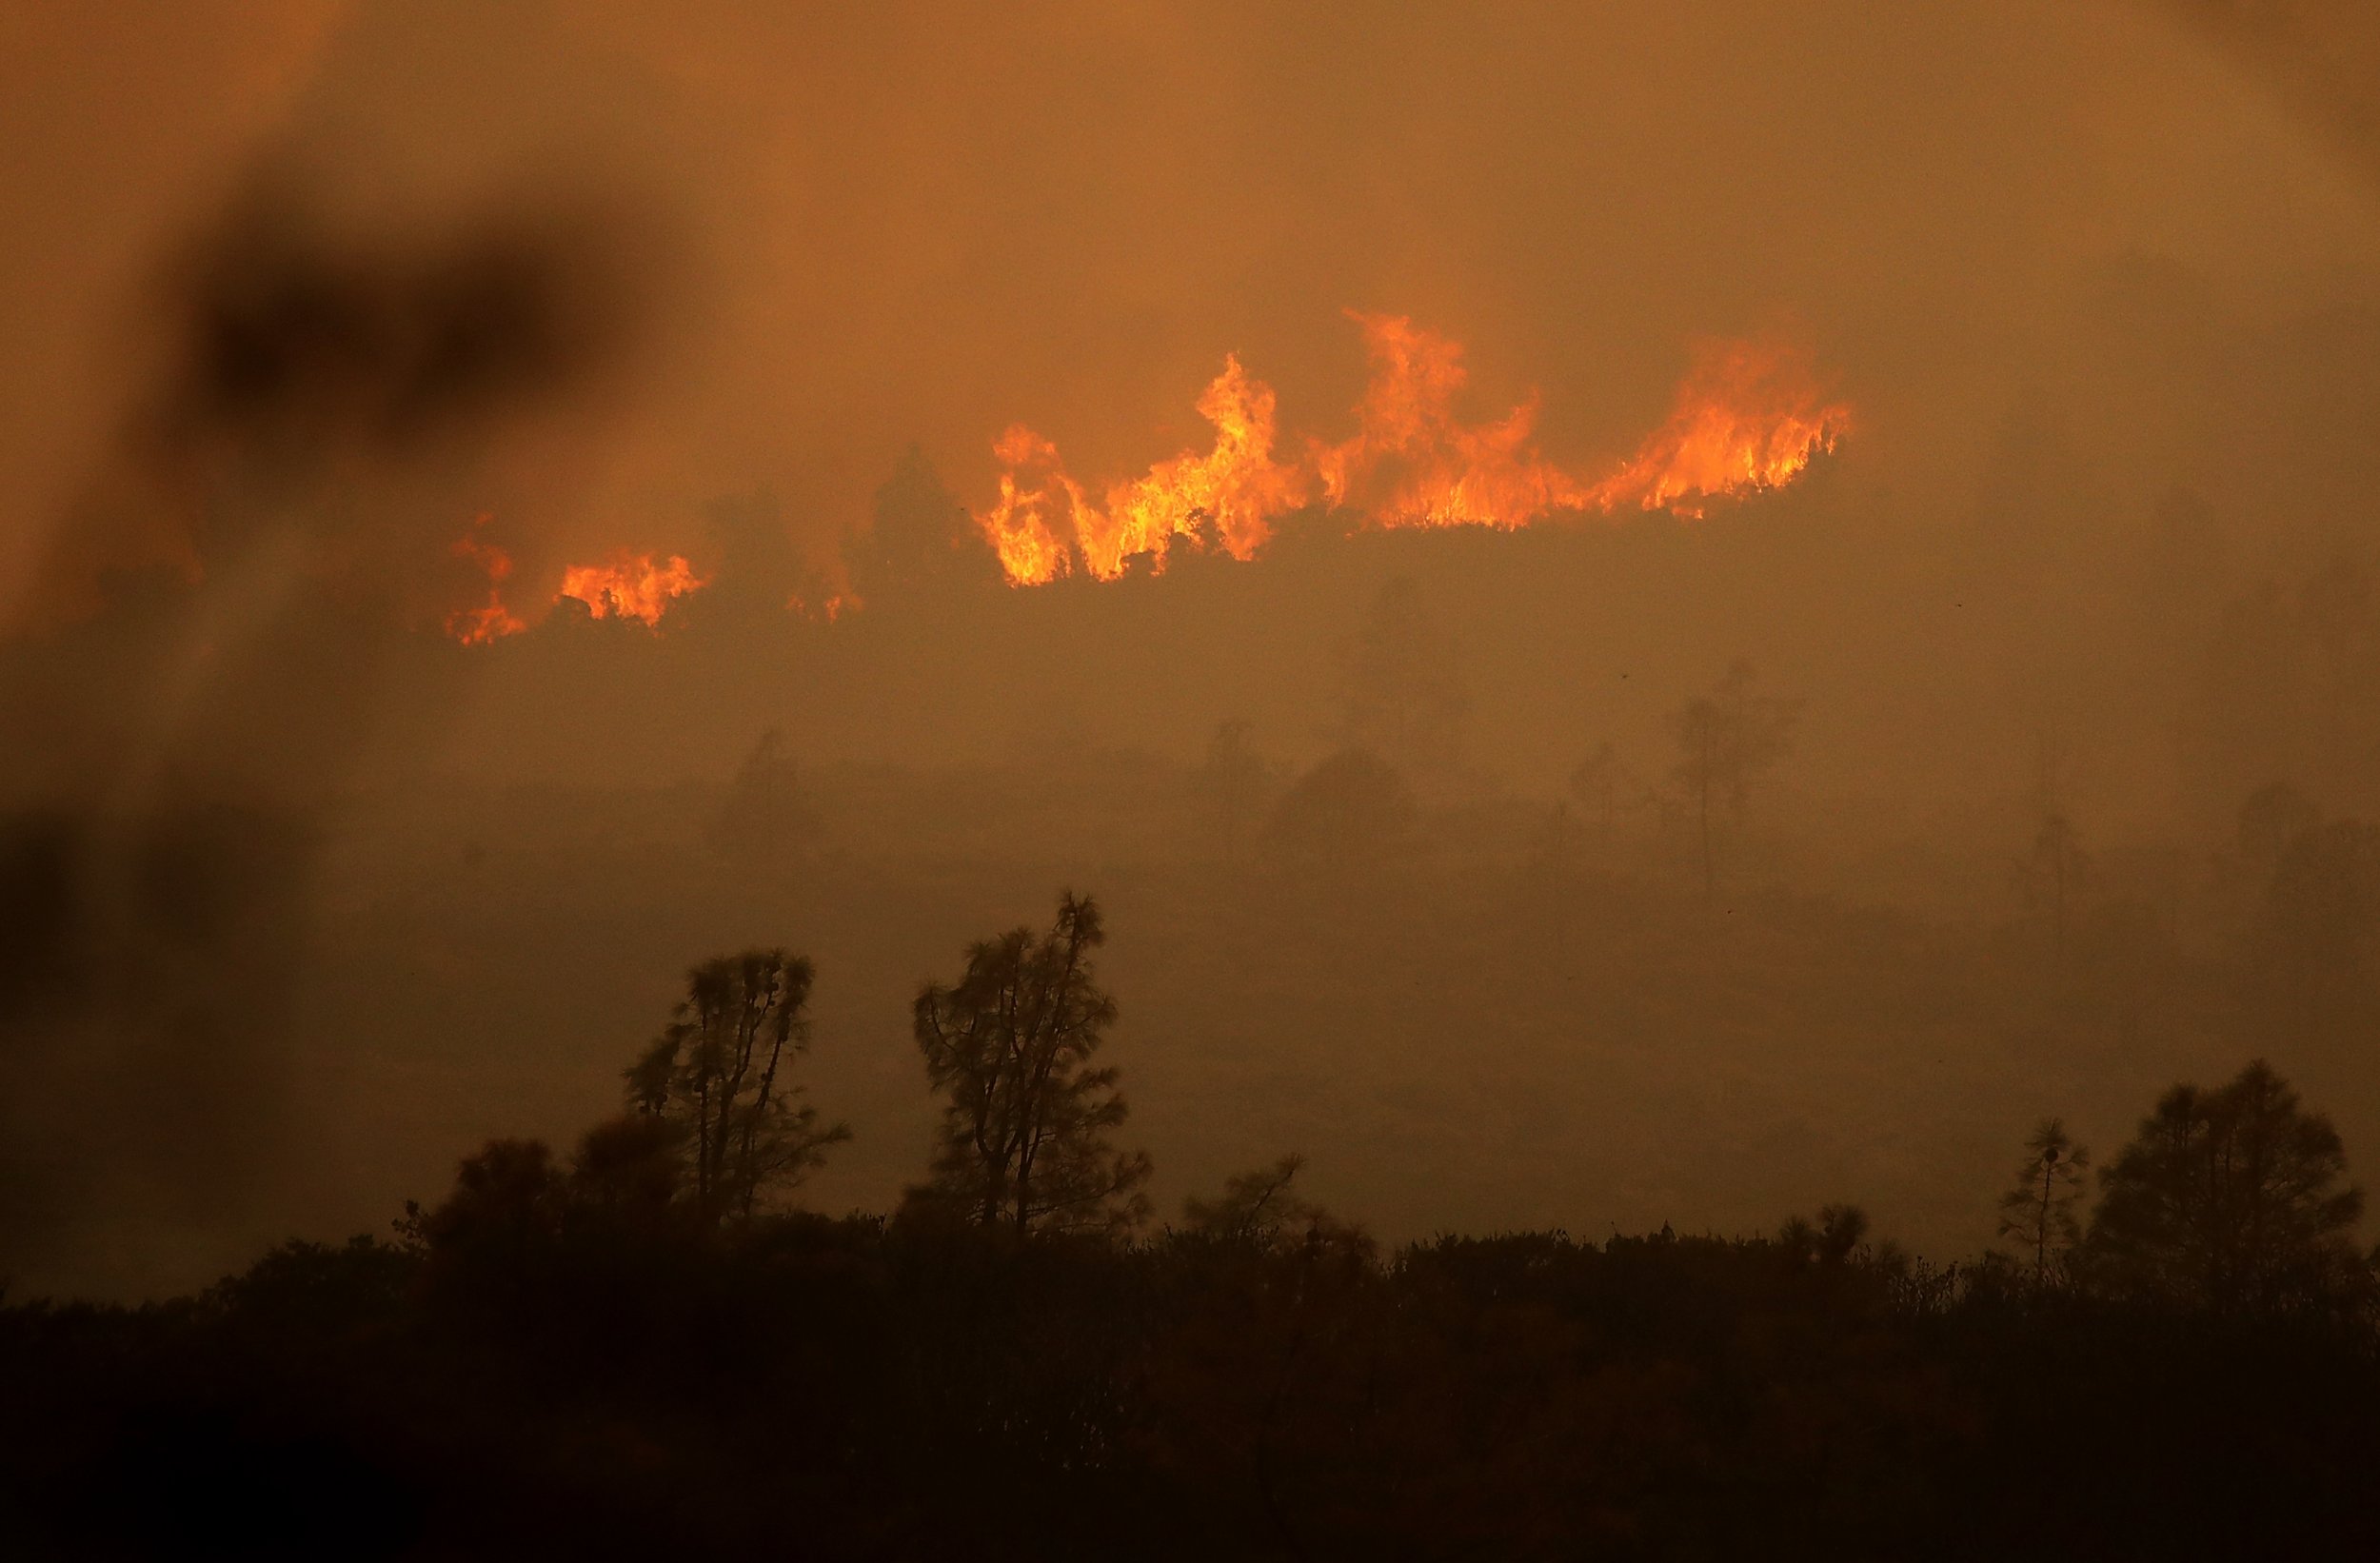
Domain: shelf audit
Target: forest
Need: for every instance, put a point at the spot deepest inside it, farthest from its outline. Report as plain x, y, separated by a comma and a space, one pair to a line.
643, 1346
1189, 780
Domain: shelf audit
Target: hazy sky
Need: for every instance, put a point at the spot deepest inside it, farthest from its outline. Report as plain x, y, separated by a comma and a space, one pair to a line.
907, 222
2100, 282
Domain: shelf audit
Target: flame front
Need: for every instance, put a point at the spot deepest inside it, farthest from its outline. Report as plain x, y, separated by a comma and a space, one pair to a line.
632, 585
1413, 463
491, 619
1748, 417
628, 587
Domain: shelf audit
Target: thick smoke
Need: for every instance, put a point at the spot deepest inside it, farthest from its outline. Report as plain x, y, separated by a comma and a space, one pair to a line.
324, 398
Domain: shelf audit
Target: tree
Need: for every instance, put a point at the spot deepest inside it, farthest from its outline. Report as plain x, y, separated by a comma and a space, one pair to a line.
1726, 738
1352, 807
1233, 784
1597, 785
764, 815
1400, 689
1257, 1210
718, 1075
2049, 876
2310, 950
2230, 1197
1025, 1138
2271, 821
2040, 1211
917, 539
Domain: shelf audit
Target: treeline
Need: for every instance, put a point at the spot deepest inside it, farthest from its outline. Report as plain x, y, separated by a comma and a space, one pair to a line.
640, 1348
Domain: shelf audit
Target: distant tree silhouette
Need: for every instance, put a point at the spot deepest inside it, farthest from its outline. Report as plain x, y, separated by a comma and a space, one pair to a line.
1725, 739
758, 564
1025, 1138
1400, 689
1259, 1210
1351, 806
918, 538
2233, 1198
1599, 784
2040, 1211
765, 814
2049, 874
1831, 1240
629, 1170
718, 1075
2311, 952
1233, 784
2271, 821
507, 1205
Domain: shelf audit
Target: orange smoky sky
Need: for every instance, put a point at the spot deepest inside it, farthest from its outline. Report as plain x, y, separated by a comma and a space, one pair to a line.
925, 224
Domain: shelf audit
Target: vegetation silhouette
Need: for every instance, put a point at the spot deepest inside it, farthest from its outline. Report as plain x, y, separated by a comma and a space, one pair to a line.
1023, 1143
1726, 740
2231, 1199
717, 1081
643, 1351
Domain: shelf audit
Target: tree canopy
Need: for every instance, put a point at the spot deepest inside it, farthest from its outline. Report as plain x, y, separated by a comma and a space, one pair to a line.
1025, 1140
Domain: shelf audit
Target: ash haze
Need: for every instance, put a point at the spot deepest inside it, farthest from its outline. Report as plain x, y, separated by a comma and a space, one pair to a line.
744, 295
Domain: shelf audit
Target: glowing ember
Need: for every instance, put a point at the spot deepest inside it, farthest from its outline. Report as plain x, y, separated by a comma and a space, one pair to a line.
632, 585
1748, 417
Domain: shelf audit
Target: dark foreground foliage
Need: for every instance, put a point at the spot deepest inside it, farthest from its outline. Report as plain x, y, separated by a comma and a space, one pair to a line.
612, 1386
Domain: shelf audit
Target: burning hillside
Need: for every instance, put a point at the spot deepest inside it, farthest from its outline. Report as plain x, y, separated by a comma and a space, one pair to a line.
1748, 417
626, 586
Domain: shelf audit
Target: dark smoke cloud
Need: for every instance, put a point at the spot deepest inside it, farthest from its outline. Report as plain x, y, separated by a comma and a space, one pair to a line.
2321, 58
325, 392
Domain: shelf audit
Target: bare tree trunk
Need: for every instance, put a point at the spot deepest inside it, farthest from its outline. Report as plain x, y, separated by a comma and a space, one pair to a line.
1710, 870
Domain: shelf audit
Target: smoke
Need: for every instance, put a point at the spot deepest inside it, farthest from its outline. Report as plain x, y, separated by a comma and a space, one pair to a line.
2320, 58
328, 396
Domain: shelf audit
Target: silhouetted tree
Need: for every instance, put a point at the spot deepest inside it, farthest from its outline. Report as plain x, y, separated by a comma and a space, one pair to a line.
1832, 1239
2040, 1211
765, 814
2310, 950
1351, 806
759, 564
2230, 1197
1025, 1140
2271, 821
918, 538
629, 1169
1400, 690
1233, 784
718, 1075
1599, 784
2047, 876
1725, 739
1259, 1210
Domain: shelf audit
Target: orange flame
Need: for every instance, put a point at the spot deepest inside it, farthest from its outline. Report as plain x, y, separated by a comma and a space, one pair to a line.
1029, 551
632, 585
827, 609
1413, 463
490, 620
1750, 417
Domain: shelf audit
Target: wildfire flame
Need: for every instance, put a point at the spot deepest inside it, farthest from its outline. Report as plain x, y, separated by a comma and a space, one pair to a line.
628, 587
632, 585
827, 609
490, 620
1748, 417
